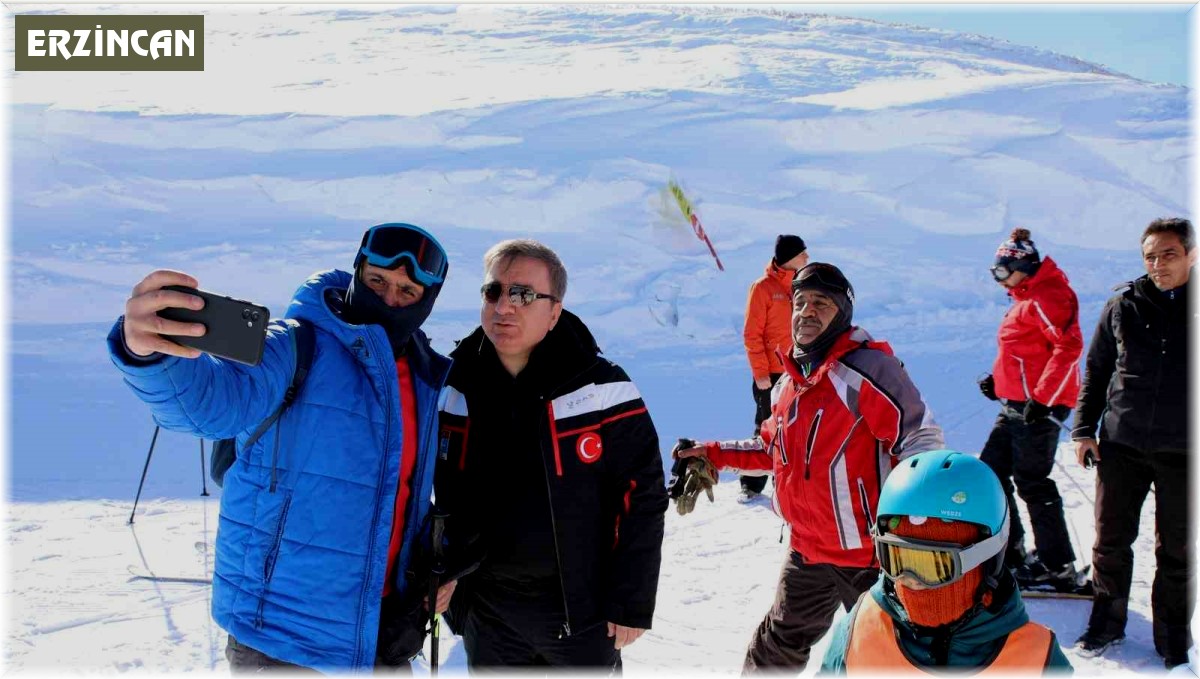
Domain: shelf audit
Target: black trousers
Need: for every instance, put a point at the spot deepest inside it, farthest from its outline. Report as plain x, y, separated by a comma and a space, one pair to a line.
1124, 478
762, 410
806, 600
245, 660
1023, 455
505, 633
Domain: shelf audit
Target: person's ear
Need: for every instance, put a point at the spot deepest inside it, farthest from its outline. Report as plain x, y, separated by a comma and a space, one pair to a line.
555, 313
1192, 254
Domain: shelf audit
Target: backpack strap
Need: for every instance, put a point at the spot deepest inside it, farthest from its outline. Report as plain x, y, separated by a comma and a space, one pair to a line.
304, 341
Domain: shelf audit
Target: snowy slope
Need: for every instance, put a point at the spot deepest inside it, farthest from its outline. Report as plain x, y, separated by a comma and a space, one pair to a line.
902, 154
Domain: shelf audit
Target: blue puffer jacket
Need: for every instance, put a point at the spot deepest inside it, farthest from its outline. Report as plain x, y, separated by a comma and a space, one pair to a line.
299, 572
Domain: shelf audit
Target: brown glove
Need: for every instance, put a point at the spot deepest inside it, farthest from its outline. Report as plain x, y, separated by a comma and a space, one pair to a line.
700, 475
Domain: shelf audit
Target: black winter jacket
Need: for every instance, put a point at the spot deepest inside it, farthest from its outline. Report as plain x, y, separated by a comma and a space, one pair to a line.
1137, 371
557, 474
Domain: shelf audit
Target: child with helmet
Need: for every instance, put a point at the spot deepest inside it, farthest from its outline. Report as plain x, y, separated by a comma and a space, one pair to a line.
944, 598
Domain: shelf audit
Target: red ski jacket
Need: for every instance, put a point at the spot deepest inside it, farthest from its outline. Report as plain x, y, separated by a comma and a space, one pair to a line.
1040, 341
831, 440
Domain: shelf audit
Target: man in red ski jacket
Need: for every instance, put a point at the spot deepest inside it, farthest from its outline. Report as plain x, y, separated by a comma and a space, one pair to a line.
1035, 376
843, 415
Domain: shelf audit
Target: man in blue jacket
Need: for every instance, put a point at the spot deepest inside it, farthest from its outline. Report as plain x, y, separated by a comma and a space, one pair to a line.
324, 520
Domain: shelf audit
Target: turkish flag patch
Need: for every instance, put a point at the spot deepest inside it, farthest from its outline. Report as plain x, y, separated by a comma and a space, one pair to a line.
589, 447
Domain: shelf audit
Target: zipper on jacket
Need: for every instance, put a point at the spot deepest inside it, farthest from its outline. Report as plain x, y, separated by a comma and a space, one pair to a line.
565, 631
273, 553
1162, 344
812, 436
271, 560
554, 439
387, 433
866, 506
1024, 382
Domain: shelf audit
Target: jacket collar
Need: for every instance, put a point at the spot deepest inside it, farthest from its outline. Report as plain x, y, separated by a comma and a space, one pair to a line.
567, 350
990, 624
1048, 272
319, 301
780, 274
854, 338
1143, 289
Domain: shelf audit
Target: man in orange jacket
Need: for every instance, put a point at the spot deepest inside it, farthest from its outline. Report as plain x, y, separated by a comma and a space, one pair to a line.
769, 327
844, 414
1035, 377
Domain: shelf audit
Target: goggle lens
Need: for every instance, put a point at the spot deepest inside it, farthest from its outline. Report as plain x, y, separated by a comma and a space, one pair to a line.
387, 244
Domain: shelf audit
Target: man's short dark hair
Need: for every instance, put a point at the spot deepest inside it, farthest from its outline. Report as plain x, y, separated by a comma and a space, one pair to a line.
507, 250
1176, 225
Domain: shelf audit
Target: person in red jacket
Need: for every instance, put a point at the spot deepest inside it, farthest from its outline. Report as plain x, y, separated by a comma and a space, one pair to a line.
1035, 377
768, 327
842, 416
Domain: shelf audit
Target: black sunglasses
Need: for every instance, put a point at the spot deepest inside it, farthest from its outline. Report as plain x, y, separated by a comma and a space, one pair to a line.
1001, 272
518, 295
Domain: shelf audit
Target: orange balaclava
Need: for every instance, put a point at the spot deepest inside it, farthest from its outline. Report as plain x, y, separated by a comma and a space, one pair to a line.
943, 605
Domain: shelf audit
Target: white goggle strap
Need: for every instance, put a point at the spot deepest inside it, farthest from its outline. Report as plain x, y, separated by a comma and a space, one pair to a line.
980, 552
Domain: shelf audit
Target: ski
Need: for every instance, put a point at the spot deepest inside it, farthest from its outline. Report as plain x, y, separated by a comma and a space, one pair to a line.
1051, 594
1082, 589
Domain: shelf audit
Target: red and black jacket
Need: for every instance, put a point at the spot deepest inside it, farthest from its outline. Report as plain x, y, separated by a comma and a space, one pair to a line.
831, 441
557, 475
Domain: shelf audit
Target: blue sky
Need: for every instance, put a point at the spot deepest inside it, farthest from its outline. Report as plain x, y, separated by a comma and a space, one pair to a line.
1146, 41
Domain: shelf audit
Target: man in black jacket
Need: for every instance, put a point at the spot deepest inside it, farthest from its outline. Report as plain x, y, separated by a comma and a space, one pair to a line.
549, 461
1136, 392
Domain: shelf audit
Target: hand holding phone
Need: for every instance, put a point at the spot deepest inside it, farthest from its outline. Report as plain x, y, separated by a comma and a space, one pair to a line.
144, 329
234, 328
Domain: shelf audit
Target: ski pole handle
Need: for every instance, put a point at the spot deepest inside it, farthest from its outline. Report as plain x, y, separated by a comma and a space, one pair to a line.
438, 535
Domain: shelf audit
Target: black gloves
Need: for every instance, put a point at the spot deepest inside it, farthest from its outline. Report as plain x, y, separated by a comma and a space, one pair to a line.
1035, 412
987, 386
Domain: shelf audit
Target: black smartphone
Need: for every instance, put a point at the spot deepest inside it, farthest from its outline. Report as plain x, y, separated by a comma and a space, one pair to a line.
236, 329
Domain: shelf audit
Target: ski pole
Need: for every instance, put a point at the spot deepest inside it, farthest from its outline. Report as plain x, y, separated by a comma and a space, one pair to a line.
203, 472
145, 467
436, 573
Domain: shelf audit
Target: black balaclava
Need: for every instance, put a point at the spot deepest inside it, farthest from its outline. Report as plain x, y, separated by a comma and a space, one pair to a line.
364, 307
828, 279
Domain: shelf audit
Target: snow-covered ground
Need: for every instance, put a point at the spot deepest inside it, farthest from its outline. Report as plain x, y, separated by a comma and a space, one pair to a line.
75, 600
902, 154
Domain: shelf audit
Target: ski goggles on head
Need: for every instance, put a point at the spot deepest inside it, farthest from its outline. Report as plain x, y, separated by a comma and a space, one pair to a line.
1001, 272
388, 245
933, 564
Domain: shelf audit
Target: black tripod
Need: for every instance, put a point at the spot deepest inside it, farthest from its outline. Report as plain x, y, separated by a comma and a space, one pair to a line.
146, 467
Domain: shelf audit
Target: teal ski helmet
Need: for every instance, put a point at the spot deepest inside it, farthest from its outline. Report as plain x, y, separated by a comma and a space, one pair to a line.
953, 486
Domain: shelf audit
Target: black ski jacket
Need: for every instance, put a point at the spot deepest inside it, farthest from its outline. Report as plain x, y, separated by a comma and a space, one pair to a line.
1136, 383
557, 474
